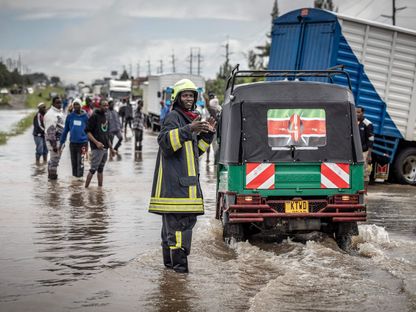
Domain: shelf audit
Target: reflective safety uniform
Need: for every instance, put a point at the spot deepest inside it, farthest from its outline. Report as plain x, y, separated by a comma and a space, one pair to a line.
176, 187
176, 192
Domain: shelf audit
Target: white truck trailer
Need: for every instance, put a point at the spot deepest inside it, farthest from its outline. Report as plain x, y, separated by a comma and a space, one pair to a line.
154, 94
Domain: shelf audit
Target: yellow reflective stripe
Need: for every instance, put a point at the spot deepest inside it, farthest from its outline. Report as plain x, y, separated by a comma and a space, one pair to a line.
190, 161
191, 149
174, 201
174, 139
192, 188
176, 208
192, 191
202, 145
188, 156
159, 179
178, 236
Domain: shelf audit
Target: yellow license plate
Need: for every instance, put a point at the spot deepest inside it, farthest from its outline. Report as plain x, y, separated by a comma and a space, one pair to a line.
301, 206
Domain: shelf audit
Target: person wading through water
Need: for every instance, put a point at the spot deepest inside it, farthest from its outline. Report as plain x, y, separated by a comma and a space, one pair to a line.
176, 191
98, 135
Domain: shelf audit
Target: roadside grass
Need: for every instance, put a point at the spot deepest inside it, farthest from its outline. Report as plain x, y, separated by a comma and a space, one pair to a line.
18, 128
4, 100
42, 95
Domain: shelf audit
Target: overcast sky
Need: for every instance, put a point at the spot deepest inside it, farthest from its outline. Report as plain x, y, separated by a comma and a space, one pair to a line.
86, 39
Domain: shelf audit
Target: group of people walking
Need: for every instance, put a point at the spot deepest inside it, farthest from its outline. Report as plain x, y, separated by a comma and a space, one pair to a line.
186, 134
96, 125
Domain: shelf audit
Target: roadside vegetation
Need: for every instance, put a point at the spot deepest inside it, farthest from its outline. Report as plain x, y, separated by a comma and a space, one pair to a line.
4, 100
43, 95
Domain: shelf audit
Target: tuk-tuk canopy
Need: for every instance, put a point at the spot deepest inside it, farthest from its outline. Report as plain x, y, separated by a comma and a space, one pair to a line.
289, 121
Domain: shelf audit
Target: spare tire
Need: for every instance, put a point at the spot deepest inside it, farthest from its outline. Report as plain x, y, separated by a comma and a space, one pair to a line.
405, 166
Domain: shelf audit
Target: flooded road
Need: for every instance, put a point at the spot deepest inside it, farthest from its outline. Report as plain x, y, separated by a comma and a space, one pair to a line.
8, 117
65, 248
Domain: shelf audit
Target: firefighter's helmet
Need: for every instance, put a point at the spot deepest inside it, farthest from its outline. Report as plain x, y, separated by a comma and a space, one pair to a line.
183, 85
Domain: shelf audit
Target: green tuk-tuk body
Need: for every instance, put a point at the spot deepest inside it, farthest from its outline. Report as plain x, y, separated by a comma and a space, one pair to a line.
290, 161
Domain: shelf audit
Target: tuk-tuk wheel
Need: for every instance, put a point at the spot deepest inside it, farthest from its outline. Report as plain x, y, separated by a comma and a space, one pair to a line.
344, 233
232, 230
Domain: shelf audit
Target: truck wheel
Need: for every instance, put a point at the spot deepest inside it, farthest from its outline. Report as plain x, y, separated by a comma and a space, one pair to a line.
343, 234
405, 166
232, 230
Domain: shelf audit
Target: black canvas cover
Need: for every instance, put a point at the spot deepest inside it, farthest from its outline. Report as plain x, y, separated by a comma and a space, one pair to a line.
319, 118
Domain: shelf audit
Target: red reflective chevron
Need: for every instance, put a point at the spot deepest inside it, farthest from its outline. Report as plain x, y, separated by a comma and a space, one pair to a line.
335, 175
260, 176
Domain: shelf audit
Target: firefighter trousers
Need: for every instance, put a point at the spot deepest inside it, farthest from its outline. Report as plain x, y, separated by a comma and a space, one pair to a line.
176, 240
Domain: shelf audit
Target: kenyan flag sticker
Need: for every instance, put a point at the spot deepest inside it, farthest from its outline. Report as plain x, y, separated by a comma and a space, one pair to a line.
302, 128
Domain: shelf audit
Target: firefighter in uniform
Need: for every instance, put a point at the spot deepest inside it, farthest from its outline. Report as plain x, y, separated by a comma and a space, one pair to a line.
176, 192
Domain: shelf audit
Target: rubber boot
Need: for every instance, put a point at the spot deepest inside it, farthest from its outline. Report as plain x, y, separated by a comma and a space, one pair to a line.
100, 178
167, 261
45, 158
37, 160
88, 179
179, 260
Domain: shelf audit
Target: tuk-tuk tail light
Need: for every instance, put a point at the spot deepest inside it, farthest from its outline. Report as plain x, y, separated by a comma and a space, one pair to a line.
346, 199
248, 199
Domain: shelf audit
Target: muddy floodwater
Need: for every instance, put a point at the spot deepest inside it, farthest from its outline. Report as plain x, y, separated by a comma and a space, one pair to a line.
66, 248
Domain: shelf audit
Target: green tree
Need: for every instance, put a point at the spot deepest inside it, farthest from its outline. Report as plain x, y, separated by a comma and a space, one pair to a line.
124, 75
55, 80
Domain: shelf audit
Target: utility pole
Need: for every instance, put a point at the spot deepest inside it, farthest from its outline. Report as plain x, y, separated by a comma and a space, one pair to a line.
200, 59
130, 70
226, 68
138, 69
190, 61
393, 17
161, 66
149, 69
19, 64
173, 62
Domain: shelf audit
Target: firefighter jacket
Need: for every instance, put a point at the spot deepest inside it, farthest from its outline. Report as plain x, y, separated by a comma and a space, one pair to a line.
176, 187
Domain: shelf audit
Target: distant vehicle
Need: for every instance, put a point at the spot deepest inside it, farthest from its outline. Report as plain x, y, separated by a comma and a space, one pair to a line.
117, 90
381, 62
156, 93
4, 91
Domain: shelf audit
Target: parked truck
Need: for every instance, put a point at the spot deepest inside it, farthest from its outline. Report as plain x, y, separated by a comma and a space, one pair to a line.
381, 61
155, 94
117, 90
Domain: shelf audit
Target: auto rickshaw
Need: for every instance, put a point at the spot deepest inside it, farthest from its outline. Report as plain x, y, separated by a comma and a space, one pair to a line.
290, 158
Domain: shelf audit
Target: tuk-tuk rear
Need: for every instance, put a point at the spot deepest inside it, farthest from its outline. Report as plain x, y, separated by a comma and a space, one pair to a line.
290, 160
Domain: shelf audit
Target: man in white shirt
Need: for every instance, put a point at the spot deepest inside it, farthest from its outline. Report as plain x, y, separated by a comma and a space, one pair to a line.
54, 125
